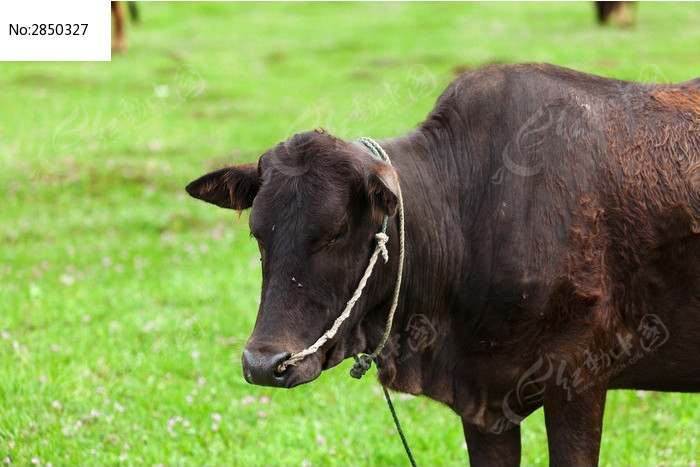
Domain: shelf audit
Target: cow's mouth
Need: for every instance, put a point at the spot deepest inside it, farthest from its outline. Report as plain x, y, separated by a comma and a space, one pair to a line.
263, 369
309, 369
332, 357
303, 372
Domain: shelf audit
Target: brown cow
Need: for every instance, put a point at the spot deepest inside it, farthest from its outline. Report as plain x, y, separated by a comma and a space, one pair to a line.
553, 252
621, 13
119, 43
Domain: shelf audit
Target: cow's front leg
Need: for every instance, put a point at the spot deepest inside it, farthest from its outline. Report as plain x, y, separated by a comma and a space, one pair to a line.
574, 423
487, 449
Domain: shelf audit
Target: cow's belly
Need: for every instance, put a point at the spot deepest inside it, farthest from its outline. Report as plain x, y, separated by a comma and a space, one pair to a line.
670, 364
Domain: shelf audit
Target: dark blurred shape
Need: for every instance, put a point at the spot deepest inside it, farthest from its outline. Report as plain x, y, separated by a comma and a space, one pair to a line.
621, 13
133, 12
119, 31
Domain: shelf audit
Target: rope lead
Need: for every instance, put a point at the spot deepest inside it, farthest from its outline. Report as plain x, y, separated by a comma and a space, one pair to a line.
363, 362
398, 427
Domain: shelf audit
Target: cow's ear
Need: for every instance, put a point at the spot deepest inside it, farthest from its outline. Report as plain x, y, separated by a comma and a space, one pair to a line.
383, 189
231, 188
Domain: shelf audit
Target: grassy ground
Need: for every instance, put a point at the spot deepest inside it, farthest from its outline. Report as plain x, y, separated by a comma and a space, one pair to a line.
124, 304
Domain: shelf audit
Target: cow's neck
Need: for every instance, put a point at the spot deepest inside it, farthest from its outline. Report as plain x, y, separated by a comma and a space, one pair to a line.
417, 359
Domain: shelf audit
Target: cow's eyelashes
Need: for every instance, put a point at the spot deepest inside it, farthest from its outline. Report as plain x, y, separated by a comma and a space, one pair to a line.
340, 235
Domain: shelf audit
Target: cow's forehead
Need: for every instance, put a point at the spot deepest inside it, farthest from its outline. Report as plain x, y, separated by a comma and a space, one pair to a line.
313, 197
308, 151
309, 162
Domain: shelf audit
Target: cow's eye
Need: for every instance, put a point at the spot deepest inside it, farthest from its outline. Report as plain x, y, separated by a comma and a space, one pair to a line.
340, 235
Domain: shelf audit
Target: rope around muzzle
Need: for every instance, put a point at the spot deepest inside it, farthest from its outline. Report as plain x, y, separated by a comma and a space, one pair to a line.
380, 248
363, 362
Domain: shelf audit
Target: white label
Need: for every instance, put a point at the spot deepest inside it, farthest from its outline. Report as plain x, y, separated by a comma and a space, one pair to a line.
51, 30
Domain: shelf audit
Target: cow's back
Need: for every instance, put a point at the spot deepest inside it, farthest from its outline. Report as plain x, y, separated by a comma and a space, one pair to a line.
649, 187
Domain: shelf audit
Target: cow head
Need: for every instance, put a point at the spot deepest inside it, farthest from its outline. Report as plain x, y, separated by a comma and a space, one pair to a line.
317, 202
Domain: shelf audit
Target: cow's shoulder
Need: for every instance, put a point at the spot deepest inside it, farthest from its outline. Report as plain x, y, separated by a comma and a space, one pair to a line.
494, 101
530, 81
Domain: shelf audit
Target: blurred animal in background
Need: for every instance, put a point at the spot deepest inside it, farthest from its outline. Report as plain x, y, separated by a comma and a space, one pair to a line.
118, 30
621, 13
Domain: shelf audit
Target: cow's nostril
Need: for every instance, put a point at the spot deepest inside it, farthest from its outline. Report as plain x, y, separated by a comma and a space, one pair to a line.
279, 371
262, 369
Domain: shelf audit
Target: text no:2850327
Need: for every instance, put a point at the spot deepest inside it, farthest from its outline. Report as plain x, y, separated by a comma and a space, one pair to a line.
50, 29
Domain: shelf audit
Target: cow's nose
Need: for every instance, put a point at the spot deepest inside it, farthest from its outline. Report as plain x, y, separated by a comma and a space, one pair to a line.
261, 369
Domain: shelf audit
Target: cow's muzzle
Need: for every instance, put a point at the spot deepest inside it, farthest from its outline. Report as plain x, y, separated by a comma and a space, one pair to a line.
261, 369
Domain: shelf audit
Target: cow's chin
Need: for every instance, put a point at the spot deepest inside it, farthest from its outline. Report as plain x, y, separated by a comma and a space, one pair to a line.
334, 356
310, 368
303, 372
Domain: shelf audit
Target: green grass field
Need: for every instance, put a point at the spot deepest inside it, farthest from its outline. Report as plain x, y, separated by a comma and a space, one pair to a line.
124, 304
